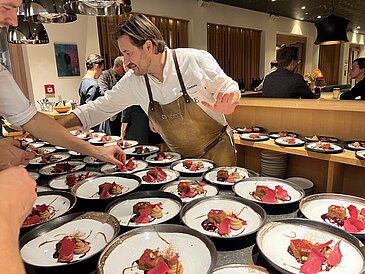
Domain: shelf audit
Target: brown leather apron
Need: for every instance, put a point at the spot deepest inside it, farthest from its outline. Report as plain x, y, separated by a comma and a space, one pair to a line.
189, 130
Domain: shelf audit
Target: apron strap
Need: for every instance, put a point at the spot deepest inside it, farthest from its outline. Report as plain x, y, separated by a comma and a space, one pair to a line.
152, 104
181, 81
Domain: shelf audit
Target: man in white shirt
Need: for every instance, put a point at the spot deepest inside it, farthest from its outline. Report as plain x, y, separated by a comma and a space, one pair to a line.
184, 92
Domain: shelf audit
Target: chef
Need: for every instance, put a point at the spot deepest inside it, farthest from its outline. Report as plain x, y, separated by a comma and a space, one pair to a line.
184, 92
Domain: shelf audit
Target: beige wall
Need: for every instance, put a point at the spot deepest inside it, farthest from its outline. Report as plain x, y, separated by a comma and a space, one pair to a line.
83, 32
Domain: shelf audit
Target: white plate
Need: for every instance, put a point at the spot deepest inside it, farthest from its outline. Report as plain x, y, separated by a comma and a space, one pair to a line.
245, 188
178, 166
75, 153
93, 161
37, 144
278, 235
61, 202
174, 157
282, 141
335, 148
196, 212
127, 248
240, 269
124, 144
89, 188
43, 188
210, 190
47, 170
261, 137
100, 141
314, 206
97, 232
171, 176
131, 150
34, 175
62, 157
123, 211
61, 148
360, 154
211, 175
60, 181
45, 150
79, 132
109, 168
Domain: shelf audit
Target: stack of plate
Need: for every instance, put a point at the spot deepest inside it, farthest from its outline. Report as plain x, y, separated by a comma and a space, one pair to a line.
274, 164
304, 183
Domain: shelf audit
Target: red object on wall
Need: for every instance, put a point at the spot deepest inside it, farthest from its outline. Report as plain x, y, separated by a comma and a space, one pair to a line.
49, 89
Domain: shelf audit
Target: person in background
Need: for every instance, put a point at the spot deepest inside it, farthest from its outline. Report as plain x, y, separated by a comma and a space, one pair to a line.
357, 72
273, 67
284, 82
107, 81
184, 92
17, 196
17, 109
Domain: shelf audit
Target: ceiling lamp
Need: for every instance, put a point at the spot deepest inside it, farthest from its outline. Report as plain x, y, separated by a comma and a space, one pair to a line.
98, 7
47, 11
27, 33
332, 30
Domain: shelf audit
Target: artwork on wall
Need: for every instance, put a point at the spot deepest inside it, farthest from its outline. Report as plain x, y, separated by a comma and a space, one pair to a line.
67, 60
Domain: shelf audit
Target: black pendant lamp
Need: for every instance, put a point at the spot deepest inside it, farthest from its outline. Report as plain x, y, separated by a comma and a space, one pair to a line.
332, 30
27, 33
98, 7
47, 11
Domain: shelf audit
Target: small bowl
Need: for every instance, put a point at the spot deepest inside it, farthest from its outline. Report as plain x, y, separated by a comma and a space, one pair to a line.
62, 109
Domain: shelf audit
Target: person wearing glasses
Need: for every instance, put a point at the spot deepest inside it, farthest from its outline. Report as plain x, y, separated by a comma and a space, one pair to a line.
357, 72
284, 82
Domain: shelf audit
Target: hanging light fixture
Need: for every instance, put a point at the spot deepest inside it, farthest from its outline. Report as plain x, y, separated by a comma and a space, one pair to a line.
98, 7
332, 30
47, 11
27, 33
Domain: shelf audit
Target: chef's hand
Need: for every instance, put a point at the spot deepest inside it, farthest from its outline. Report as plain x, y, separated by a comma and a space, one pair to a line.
110, 154
225, 103
12, 154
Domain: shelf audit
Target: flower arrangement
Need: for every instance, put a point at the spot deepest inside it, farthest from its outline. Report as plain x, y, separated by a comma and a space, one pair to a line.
310, 78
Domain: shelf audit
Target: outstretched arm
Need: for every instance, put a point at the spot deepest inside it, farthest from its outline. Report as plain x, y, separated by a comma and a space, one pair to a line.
225, 103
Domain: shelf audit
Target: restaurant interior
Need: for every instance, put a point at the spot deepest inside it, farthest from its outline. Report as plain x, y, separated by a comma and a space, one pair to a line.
316, 188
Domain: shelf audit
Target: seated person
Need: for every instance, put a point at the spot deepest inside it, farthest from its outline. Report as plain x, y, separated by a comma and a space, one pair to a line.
357, 72
273, 67
284, 83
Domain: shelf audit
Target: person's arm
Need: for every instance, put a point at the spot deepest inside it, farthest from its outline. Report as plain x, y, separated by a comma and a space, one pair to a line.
47, 129
103, 81
17, 196
352, 93
302, 89
12, 155
123, 130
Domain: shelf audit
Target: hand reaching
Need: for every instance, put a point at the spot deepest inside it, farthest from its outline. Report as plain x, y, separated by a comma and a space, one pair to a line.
12, 154
110, 154
224, 104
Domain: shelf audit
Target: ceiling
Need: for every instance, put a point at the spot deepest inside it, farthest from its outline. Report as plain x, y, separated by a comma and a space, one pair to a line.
353, 10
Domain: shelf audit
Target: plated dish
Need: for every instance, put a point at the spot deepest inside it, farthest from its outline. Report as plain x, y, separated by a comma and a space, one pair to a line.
251, 129
277, 134
226, 175
289, 141
316, 138
157, 175
49, 158
257, 137
163, 158
324, 147
101, 140
141, 150
75, 154
44, 150
294, 251
223, 216
61, 168
145, 208
192, 166
106, 186
240, 269
360, 154
354, 145
125, 253
67, 181
69, 239
132, 165
189, 190
90, 160
33, 175
124, 143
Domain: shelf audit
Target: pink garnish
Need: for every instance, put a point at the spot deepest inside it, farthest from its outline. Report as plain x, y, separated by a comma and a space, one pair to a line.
143, 217
335, 257
230, 179
269, 197
223, 227
193, 167
66, 251
161, 268
281, 193
321, 246
314, 262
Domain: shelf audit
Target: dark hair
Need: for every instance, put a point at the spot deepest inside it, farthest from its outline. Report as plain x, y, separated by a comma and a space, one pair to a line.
140, 29
361, 62
274, 64
94, 59
286, 55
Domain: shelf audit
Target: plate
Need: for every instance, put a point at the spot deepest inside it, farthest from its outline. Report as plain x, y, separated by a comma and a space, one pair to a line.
59, 182
89, 188
240, 269
131, 151
58, 203
60, 156
354, 145
48, 169
43, 188
125, 143
209, 190
335, 148
256, 137
79, 132
246, 187
317, 138
211, 175
122, 208
90, 160
33, 175
315, 206
61, 148
173, 156
178, 166
172, 175
38, 144
195, 213
251, 129
38, 246
278, 235
277, 134
289, 142
44, 150
75, 153
360, 154
100, 141
109, 168
128, 247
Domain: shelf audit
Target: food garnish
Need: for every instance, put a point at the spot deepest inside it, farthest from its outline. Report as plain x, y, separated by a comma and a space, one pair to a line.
268, 195
62, 167
72, 179
107, 190
186, 190
40, 214
193, 166
145, 212
224, 176
128, 166
155, 175
141, 149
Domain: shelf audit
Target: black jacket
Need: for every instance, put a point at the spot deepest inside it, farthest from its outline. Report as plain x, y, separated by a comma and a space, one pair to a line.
357, 90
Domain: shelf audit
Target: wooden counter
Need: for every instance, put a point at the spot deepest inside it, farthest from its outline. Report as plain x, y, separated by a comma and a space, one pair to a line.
55, 115
342, 172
